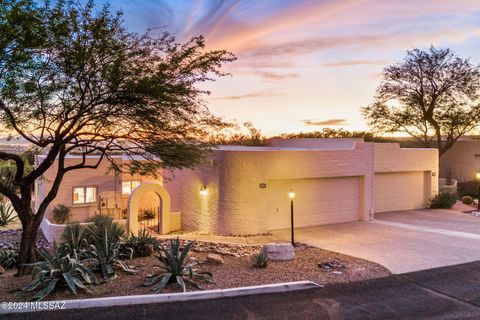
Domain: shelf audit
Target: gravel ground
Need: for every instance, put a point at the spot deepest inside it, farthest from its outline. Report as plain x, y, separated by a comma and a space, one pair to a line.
235, 272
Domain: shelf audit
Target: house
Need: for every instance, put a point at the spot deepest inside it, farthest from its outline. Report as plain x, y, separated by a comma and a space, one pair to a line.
462, 161
244, 190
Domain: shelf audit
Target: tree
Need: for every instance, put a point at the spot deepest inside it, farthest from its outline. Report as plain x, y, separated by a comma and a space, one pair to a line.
431, 95
74, 80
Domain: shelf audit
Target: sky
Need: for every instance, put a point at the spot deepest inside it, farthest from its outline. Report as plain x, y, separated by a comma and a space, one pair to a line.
303, 65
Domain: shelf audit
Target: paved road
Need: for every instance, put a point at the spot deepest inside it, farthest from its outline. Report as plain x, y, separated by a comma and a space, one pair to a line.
402, 241
443, 293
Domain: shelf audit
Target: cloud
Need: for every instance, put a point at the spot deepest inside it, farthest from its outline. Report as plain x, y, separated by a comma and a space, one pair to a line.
277, 76
257, 94
348, 63
329, 122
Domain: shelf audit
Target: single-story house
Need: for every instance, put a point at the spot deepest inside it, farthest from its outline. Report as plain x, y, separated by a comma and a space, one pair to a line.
244, 190
462, 161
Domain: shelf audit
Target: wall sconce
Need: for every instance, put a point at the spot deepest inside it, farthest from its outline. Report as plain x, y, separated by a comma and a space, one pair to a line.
291, 194
203, 190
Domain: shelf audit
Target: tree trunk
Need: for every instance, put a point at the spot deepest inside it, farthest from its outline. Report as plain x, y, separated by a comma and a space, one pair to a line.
28, 247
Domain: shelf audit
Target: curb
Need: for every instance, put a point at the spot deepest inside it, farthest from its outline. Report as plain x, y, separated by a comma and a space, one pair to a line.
175, 297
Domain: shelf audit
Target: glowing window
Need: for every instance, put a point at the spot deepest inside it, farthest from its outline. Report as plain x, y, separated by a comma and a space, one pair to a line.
129, 186
82, 195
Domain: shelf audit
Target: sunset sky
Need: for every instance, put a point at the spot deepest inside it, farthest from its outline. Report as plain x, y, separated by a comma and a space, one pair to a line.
303, 65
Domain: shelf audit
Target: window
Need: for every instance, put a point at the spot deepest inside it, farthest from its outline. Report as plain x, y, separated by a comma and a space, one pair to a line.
82, 195
129, 186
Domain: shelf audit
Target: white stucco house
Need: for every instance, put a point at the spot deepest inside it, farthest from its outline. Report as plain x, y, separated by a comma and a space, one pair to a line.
244, 190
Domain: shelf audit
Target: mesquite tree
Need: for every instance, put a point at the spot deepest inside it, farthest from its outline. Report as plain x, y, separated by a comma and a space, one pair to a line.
431, 95
74, 80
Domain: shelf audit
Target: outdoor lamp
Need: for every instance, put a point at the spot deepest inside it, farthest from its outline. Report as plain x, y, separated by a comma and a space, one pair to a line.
291, 195
203, 190
477, 176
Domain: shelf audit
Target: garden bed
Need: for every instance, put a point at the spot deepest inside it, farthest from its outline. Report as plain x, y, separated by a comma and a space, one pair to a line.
235, 272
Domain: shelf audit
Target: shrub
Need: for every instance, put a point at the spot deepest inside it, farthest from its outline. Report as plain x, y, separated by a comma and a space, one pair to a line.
176, 267
73, 240
467, 200
56, 270
260, 260
61, 214
7, 214
8, 258
149, 214
102, 225
443, 200
138, 243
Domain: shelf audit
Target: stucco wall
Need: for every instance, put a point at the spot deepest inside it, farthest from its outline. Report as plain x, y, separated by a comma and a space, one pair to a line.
236, 203
463, 159
108, 186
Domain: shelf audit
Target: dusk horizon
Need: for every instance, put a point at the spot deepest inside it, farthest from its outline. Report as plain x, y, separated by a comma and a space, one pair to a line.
305, 65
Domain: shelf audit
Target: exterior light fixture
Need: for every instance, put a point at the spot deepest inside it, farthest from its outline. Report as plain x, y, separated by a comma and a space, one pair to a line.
291, 195
477, 180
203, 190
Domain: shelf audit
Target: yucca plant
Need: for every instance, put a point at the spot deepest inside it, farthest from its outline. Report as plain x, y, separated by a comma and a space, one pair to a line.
8, 258
58, 270
73, 240
7, 214
177, 267
104, 254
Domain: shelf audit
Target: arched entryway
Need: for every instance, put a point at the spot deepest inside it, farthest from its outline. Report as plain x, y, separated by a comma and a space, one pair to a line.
134, 206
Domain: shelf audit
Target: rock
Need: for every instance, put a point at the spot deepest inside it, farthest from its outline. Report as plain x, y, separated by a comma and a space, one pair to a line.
337, 272
214, 258
2, 270
279, 251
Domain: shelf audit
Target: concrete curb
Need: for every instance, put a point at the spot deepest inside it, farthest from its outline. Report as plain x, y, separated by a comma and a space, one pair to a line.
177, 297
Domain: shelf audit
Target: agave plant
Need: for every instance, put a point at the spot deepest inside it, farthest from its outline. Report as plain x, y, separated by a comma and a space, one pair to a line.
104, 255
260, 260
73, 240
58, 270
176, 267
138, 243
96, 231
7, 214
8, 258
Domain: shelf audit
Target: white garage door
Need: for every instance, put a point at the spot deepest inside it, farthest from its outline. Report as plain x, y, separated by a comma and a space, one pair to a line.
400, 191
317, 201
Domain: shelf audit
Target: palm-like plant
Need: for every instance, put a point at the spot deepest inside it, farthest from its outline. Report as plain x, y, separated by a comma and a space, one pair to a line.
73, 240
105, 254
175, 267
56, 270
7, 214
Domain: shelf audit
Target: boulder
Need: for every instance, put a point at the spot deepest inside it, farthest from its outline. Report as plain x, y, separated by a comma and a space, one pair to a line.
279, 251
214, 258
148, 250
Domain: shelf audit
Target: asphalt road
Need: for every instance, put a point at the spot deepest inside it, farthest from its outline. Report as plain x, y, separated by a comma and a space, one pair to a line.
444, 293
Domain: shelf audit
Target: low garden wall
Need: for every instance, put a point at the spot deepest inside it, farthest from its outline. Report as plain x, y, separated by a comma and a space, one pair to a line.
444, 187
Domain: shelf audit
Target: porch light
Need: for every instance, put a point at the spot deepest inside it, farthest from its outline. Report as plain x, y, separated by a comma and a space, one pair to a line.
291, 194
477, 176
203, 190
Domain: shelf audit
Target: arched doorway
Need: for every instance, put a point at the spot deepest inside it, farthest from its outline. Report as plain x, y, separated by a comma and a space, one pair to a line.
134, 202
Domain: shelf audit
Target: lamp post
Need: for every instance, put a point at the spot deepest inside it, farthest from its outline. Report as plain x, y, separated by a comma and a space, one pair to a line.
477, 180
291, 195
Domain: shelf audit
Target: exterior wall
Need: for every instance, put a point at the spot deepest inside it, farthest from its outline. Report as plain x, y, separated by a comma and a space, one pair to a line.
314, 143
109, 187
389, 158
236, 203
463, 159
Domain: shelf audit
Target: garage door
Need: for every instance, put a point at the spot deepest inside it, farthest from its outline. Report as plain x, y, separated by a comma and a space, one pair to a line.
317, 201
400, 191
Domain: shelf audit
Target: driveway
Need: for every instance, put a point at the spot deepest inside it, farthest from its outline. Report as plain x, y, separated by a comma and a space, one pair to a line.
403, 241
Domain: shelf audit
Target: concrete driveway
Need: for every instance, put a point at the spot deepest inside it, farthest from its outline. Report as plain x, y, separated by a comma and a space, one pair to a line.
403, 241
